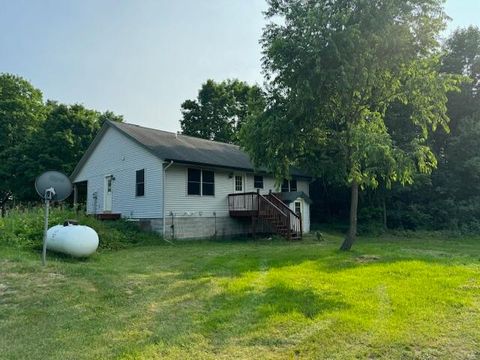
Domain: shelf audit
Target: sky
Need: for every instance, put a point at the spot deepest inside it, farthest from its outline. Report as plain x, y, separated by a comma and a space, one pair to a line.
141, 59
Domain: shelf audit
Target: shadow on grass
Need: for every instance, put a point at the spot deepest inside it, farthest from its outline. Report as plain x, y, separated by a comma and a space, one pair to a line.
240, 315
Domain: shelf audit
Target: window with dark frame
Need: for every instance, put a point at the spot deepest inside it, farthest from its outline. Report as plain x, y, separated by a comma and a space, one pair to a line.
258, 181
140, 183
194, 181
208, 183
201, 182
289, 185
293, 185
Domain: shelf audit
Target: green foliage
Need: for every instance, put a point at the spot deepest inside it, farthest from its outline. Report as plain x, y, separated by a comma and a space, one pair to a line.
334, 70
220, 110
24, 229
449, 199
21, 113
37, 136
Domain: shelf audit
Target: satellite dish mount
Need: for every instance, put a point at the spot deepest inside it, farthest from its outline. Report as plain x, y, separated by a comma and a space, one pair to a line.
51, 186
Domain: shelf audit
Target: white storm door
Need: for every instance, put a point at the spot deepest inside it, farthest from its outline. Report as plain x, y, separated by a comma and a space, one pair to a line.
107, 199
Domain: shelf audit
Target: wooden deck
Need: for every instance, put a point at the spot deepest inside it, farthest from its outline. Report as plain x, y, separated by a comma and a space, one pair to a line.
268, 208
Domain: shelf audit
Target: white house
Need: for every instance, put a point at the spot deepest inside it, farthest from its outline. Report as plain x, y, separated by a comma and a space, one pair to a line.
186, 187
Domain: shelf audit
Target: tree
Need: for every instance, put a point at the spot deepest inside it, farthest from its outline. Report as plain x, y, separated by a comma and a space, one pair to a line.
461, 56
59, 143
37, 136
21, 112
220, 110
334, 69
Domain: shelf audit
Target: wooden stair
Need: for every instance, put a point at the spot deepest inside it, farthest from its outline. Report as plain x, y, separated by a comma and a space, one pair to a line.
270, 209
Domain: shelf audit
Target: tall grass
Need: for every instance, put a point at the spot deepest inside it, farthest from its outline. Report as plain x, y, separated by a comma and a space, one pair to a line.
23, 228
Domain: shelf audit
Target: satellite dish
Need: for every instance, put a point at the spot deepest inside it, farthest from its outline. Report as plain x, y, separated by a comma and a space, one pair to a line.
53, 185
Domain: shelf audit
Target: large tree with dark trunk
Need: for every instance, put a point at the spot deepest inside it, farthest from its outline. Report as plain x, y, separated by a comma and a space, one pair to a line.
334, 68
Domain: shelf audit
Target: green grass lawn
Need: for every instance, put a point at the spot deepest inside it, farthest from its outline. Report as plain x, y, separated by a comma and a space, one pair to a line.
391, 297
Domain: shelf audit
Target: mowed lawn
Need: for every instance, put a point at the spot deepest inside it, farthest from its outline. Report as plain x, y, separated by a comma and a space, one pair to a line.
391, 297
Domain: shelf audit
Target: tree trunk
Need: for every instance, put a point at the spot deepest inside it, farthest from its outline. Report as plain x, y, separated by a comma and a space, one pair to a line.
352, 230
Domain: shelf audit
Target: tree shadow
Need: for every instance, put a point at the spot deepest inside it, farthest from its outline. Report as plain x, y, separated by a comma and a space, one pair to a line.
239, 314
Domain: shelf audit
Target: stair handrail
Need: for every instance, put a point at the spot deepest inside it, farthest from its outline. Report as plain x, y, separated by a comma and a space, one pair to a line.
285, 206
290, 212
272, 204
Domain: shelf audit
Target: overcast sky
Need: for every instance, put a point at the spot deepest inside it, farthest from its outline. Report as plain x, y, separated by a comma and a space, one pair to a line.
141, 59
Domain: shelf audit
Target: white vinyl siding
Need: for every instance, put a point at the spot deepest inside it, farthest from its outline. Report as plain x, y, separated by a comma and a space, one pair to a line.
178, 202
181, 204
121, 157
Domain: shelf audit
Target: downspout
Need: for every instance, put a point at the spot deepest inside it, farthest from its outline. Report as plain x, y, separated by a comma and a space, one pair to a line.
163, 194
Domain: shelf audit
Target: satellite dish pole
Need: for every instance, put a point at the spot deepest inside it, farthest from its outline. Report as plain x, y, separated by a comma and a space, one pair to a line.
49, 194
51, 185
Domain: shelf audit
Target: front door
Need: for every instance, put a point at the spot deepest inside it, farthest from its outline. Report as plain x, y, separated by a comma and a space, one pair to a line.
297, 209
107, 202
239, 187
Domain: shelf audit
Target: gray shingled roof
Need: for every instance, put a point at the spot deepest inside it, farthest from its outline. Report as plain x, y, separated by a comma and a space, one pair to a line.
288, 197
179, 148
190, 150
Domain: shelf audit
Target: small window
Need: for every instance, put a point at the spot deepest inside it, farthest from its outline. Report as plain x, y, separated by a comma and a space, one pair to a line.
298, 208
293, 185
238, 183
208, 183
194, 180
109, 184
140, 183
258, 182
289, 185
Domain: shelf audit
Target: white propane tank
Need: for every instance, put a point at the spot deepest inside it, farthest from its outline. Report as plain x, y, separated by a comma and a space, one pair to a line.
75, 240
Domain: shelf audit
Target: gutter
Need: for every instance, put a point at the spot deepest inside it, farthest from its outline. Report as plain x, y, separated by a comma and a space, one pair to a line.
163, 194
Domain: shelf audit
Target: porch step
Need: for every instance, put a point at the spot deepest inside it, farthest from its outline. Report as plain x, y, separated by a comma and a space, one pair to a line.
108, 216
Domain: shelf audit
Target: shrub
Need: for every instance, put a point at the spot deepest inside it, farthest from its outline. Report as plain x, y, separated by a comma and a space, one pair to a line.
24, 228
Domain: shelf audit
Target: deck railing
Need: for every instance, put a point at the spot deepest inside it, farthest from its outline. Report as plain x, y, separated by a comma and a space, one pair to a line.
243, 202
269, 208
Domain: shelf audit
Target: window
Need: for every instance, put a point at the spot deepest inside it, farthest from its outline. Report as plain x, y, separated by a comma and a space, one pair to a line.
258, 181
293, 185
238, 183
298, 207
289, 185
140, 183
109, 184
201, 182
208, 183
194, 181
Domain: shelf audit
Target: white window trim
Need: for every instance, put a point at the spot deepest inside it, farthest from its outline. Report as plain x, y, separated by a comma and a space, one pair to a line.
242, 175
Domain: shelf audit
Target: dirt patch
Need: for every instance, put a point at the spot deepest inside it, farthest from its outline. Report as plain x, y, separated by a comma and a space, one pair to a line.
367, 258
